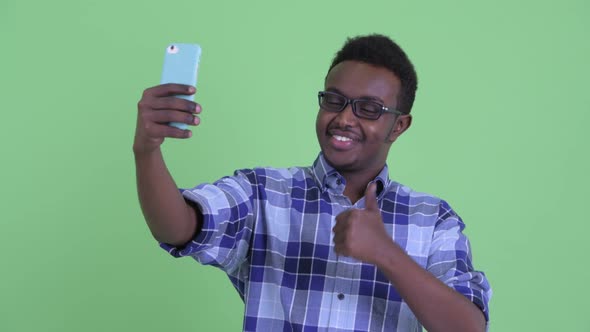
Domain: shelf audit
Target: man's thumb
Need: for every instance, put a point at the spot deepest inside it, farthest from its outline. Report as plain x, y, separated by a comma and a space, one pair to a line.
371, 197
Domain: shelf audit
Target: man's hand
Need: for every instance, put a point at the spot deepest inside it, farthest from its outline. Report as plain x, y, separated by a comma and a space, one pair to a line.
156, 108
360, 233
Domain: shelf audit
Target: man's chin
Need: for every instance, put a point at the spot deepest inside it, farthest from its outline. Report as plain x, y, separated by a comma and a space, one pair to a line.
340, 163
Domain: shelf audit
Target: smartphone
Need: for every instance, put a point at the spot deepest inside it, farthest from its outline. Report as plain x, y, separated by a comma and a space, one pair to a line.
181, 64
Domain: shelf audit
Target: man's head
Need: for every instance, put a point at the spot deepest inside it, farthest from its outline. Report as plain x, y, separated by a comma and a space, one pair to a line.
380, 51
375, 71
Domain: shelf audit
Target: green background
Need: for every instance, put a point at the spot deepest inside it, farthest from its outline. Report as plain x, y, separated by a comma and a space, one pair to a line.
499, 132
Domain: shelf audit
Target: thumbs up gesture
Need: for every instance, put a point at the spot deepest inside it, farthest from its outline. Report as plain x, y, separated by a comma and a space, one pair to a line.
359, 233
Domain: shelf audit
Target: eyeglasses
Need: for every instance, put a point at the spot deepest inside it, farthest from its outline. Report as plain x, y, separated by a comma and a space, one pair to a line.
362, 108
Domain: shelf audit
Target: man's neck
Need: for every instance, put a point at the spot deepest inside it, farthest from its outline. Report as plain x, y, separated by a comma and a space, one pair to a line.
356, 184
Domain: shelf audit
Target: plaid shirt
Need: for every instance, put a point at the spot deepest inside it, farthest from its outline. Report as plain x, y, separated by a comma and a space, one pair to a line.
270, 230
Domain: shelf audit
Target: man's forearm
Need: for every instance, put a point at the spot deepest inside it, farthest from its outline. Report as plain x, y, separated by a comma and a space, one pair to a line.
437, 306
170, 219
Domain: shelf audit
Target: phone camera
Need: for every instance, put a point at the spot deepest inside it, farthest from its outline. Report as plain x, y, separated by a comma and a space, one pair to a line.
172, 49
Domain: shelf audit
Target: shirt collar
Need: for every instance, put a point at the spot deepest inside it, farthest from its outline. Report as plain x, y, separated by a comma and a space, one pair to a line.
329, 178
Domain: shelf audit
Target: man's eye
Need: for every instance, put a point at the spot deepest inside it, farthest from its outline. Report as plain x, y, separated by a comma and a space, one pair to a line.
370, 109
332, 100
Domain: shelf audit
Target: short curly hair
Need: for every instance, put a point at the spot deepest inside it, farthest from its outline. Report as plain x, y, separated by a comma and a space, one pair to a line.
379, 50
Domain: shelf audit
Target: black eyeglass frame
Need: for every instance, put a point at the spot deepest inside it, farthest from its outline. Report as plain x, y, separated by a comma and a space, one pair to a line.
353, 102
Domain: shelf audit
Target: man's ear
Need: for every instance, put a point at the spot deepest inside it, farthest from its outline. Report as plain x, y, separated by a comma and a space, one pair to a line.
402, 123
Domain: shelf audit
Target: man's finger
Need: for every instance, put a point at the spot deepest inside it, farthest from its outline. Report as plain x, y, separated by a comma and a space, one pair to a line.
174, 103
169, 89
371, 197
172, 116
338, 238
162, 130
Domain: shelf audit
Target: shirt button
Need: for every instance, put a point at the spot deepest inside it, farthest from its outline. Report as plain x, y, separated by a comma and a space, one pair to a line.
340, 296
338, 182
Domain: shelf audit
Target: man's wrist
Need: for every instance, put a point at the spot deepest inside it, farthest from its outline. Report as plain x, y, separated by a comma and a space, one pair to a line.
141, 154
388, 255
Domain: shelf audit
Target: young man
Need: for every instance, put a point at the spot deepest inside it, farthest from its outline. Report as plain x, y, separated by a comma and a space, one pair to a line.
336, 246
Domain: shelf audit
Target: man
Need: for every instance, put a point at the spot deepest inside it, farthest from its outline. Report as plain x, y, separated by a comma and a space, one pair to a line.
336, 246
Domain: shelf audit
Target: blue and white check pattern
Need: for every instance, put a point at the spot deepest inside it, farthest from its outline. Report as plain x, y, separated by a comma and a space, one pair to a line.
270, 230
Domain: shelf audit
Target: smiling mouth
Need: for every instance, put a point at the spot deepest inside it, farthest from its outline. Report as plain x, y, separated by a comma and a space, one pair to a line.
339, 142
342, 138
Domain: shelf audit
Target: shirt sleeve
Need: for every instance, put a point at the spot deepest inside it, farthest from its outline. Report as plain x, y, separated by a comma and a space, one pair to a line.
450, 260
228, 208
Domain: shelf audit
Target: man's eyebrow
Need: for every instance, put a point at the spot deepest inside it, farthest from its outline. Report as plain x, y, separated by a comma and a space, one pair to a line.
373, 98
334, 90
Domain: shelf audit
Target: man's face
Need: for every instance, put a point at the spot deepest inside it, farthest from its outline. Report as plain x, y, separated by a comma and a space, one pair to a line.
351, 144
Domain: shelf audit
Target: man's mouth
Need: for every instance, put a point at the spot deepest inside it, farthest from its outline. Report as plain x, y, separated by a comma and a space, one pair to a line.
342, 138
344, 135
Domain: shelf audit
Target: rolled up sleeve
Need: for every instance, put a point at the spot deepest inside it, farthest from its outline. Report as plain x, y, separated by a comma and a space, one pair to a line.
228, 209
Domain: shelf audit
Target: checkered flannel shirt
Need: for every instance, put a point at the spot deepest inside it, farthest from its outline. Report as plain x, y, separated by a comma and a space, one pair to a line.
270, 230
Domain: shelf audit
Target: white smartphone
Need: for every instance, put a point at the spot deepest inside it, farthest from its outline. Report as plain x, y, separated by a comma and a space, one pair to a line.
181, 64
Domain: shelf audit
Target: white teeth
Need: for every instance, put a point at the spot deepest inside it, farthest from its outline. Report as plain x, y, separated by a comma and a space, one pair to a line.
342, 138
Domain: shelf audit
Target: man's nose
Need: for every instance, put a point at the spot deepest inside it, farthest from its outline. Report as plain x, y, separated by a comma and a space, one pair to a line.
346, 117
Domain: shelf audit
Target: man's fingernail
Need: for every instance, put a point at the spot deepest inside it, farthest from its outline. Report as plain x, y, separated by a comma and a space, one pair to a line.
191, 89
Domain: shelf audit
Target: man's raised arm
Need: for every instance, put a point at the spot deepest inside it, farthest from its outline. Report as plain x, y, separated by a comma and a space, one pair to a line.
170, 219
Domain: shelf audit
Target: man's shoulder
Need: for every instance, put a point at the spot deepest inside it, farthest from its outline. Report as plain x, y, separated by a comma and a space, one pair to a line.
405, 194
290, 174
419, 202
